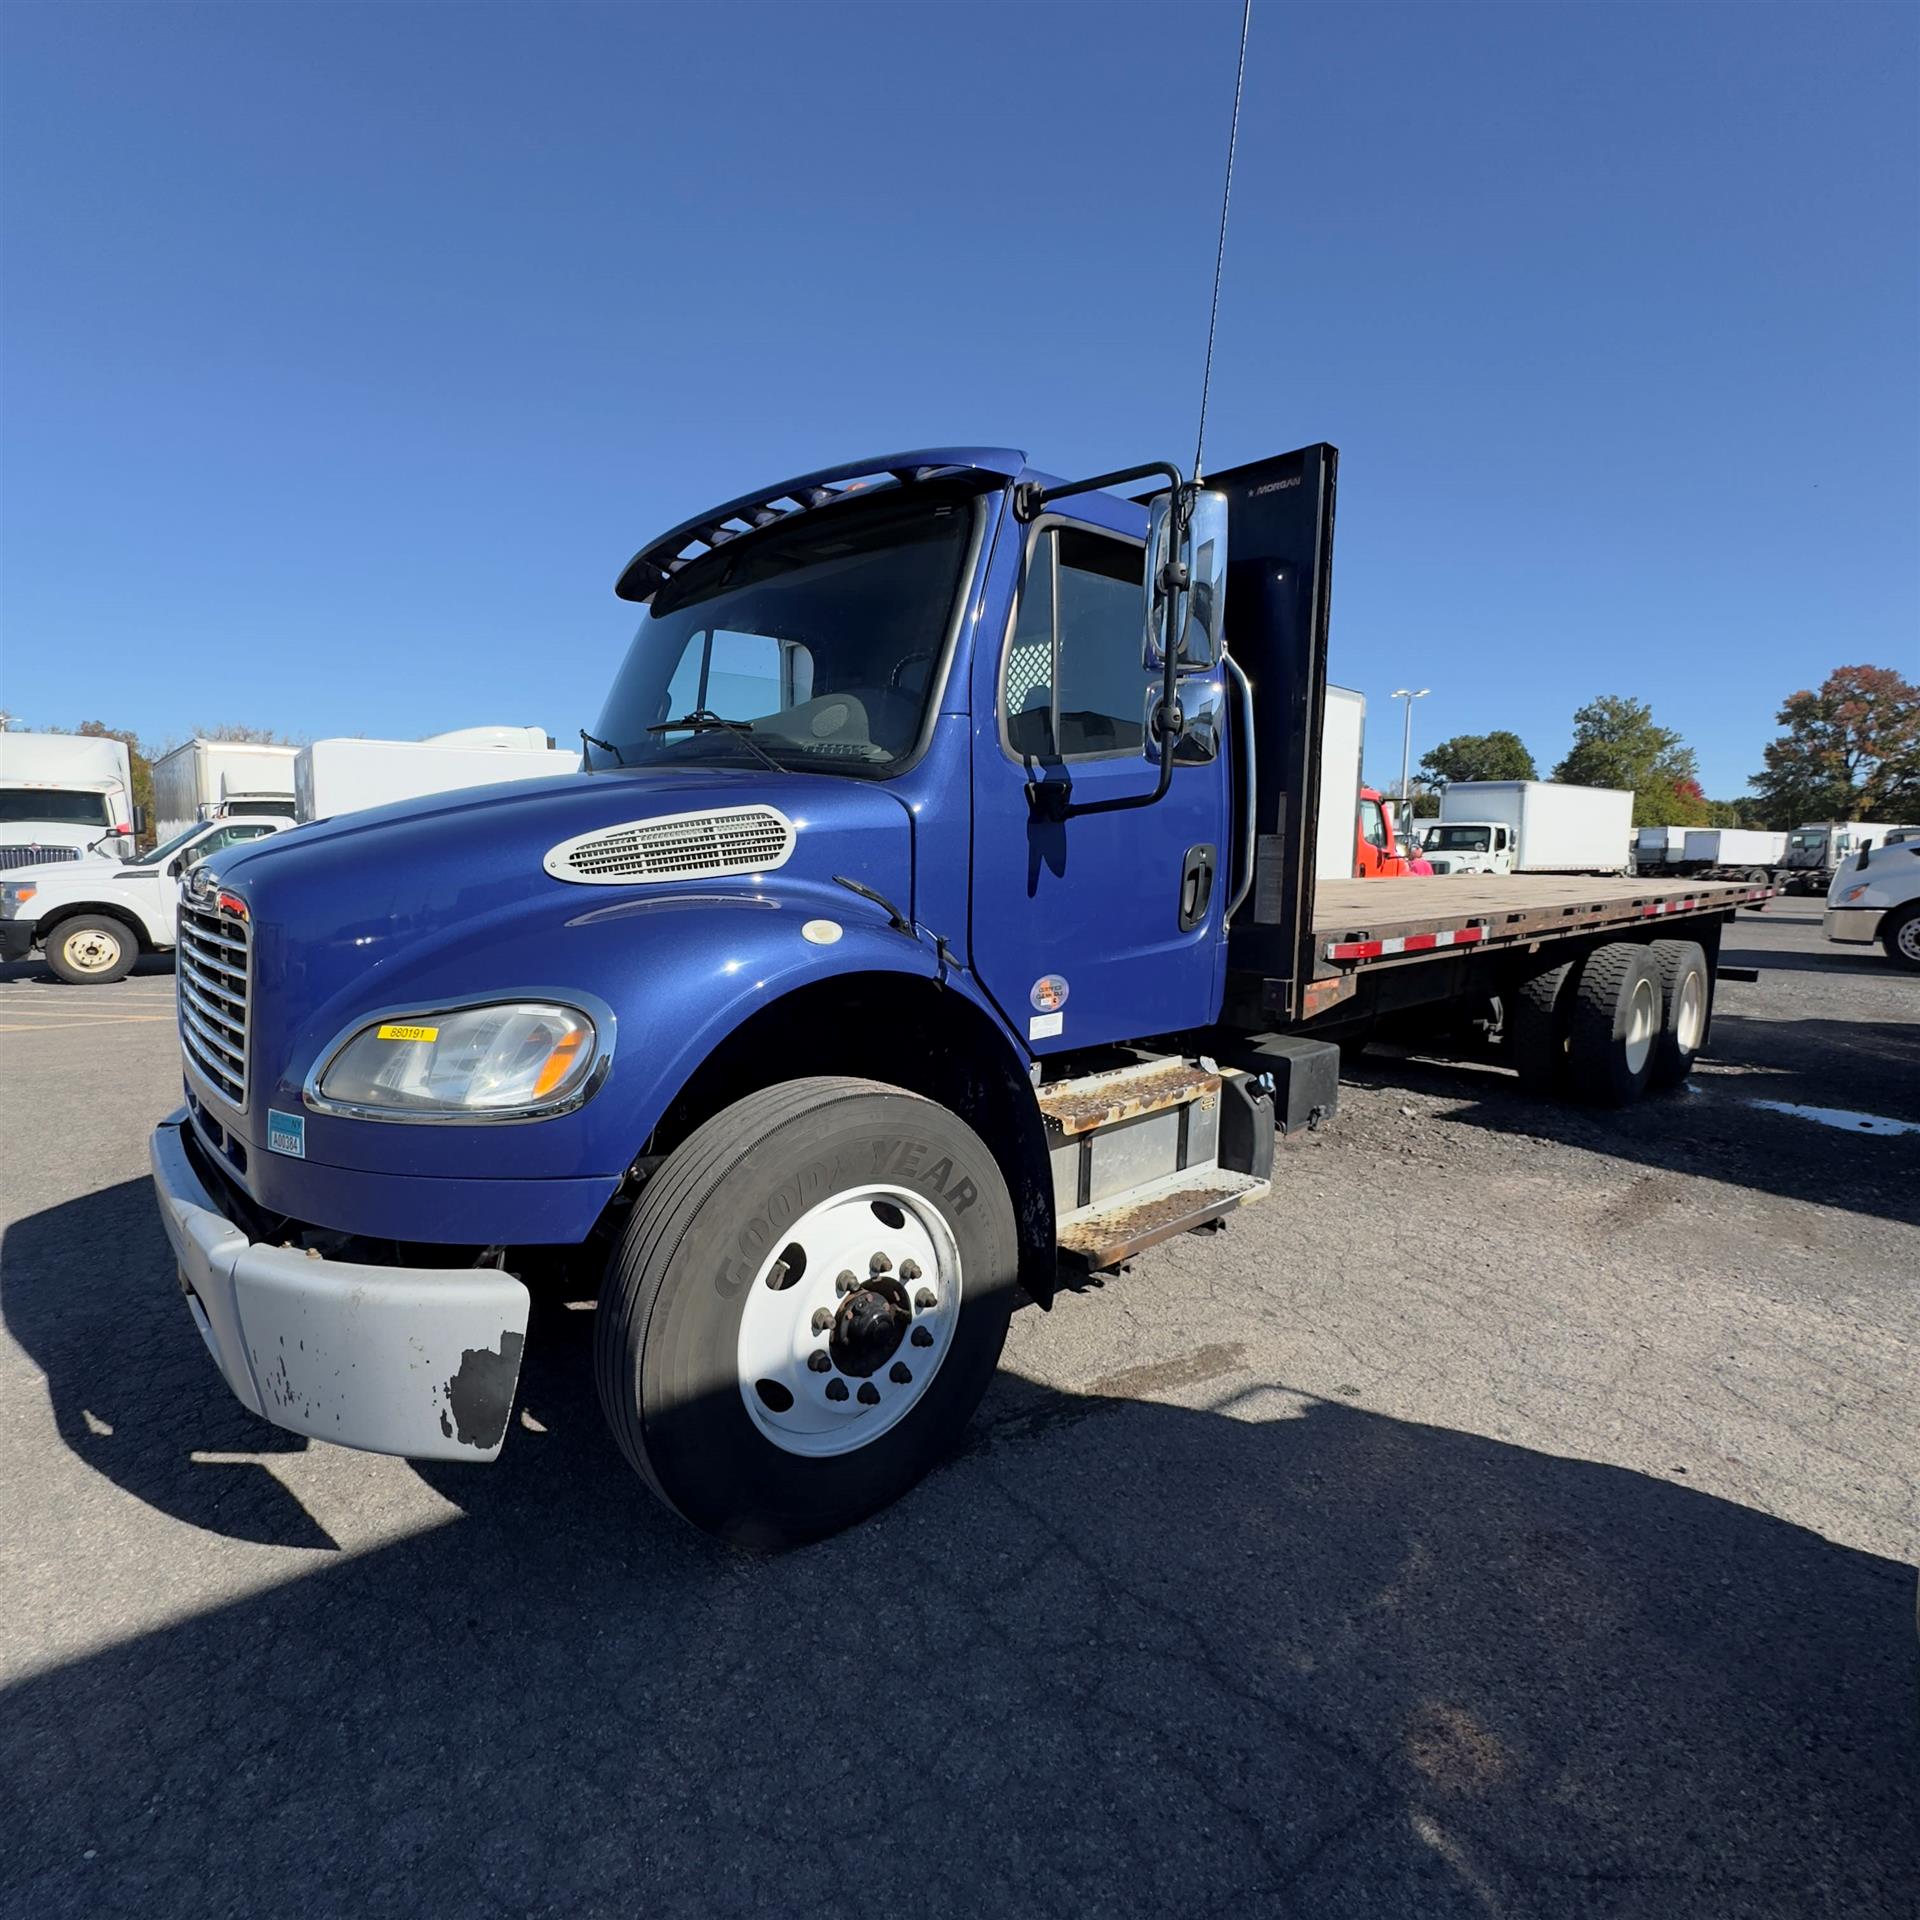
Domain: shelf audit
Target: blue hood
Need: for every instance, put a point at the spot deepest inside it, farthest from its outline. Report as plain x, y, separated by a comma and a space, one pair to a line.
446, 898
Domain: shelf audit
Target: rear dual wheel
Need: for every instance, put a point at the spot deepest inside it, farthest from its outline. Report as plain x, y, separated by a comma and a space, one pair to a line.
807, 1304
1605, 1029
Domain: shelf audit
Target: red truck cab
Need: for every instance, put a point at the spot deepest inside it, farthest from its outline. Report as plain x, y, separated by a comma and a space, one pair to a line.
1374, 855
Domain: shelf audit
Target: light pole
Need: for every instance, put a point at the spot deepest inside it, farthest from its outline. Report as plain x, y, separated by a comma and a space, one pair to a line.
1409, 695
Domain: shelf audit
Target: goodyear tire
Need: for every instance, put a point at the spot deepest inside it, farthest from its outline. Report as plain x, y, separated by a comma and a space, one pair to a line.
1686, 1008
805, 1308
1536, 1028
1613, 1025
91, 950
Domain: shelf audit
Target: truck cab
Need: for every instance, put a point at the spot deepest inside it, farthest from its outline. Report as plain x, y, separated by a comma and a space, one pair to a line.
935, 907
94, 917
1378, 851
1470, 846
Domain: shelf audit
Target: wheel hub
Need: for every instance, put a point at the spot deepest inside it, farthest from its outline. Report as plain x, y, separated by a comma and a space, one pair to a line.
848, 1320
869, 1327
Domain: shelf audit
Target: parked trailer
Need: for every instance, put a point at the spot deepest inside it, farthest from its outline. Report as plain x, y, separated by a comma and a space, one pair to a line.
1733, 853
928, 976
334, 777
201, 779
1659, 848
1343, 735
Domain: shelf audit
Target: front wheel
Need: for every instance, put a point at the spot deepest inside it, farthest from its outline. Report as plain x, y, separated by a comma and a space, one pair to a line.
91, 950
1900, 935
807, 1304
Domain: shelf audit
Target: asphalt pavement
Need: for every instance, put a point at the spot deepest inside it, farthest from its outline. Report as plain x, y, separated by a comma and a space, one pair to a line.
1515, 1516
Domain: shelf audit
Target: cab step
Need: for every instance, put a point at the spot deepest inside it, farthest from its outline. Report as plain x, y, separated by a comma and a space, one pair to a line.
1104, 1236
1143, 1152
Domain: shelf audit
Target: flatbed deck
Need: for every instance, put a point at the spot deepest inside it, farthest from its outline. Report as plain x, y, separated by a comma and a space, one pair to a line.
1371, 922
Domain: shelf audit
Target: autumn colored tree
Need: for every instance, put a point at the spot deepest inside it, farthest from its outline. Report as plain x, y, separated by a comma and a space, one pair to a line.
1617, 744
1500, 755
1851, 751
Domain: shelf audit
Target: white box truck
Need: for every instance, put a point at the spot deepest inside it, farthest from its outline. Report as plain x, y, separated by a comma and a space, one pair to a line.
333, 777
206, 778
1531, 826
1733, 853
1343, 737
63, 795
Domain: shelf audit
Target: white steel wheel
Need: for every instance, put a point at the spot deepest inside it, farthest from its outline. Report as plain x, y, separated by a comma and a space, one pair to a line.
91, 950
1643, 1022
847, 1323
1685, 1007
1690, 1014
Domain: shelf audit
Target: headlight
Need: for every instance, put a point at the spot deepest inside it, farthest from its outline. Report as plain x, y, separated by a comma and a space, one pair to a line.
524, 1060
1854, 893
16, 896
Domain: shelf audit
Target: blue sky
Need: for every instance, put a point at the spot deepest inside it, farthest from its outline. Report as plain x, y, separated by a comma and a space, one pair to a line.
347, 351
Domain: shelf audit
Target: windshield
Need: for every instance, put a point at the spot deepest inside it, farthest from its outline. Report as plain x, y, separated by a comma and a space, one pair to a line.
168, 848
1459, 839
824, 637
65, 806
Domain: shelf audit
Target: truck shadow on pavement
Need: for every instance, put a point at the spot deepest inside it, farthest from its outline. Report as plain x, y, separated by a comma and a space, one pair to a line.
1275, 1654
1712, 1128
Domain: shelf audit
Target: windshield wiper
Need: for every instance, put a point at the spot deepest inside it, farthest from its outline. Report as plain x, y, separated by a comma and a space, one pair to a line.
705, 720
593, 740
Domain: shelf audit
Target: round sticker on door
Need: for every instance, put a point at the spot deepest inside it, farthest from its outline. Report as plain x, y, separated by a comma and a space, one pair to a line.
1049, 993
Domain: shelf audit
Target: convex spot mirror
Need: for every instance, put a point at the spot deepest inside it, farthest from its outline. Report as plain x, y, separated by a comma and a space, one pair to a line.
1189, 617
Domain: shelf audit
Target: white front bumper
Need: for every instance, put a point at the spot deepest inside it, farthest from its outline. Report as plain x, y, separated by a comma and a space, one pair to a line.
420, 1361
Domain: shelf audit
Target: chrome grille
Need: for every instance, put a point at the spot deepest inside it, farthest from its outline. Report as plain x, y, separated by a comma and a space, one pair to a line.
19, 856
212, 977
677, 846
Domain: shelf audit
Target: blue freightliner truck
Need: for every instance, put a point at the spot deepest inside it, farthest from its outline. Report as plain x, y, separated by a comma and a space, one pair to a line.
935, 908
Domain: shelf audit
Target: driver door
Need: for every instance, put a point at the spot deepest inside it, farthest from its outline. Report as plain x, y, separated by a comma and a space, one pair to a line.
1103, 926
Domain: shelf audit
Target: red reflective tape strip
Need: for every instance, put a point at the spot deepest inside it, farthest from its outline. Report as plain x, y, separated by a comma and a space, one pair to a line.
1403, 943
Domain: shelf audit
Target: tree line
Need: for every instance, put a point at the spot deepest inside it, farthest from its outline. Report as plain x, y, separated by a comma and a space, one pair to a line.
1848, 750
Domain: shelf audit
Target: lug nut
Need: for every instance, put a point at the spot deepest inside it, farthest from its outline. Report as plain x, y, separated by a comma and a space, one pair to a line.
845, 1283
923, 1299
820, 1362
922, 1337
899, 1374
909, 1269
836, 1389
822, 1319
869, 1394
880, 1264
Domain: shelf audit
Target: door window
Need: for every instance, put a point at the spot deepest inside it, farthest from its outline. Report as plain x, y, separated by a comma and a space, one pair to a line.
1373, 826
1074, 687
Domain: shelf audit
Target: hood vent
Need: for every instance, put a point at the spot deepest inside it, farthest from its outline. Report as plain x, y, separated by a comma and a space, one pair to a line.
676, 846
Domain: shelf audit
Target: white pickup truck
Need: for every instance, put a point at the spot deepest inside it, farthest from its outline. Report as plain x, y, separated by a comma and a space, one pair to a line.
94, 918
1876, 896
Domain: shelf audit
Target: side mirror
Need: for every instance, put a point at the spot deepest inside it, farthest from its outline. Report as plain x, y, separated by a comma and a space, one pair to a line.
1185, 589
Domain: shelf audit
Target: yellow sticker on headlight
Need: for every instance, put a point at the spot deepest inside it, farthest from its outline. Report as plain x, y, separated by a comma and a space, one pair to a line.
408, 1033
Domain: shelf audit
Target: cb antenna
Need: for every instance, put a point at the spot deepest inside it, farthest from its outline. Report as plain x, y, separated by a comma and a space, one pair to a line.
1220, 253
